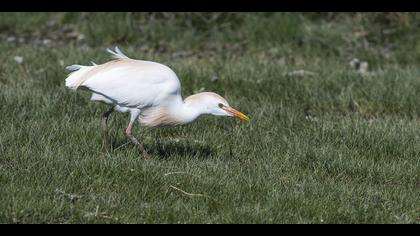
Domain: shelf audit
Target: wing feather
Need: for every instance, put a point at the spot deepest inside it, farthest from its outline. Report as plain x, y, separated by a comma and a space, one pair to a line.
133, 83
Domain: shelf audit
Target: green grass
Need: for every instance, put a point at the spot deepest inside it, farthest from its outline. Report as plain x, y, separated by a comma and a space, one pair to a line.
333, 146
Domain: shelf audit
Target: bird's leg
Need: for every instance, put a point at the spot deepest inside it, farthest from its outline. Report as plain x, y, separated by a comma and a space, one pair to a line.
134, 140
105, 128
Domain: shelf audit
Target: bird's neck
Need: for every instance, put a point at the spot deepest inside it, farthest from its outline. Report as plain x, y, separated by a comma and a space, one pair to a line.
186, 111
177, 112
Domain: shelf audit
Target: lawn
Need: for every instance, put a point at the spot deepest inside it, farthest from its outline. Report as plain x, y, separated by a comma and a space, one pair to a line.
328, 142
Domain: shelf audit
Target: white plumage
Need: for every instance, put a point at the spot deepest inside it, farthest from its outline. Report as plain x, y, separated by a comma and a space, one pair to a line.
149, 91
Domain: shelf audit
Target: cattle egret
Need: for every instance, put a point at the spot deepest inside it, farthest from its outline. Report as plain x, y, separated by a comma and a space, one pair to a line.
149, 91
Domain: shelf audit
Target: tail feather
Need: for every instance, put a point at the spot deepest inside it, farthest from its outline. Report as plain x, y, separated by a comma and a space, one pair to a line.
73, 67
76, 77
78, 72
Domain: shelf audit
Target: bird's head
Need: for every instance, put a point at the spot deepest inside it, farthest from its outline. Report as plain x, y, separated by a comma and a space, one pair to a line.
214, 104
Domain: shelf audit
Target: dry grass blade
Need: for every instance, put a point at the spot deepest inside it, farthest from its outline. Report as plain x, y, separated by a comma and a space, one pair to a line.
188, 194
178, 172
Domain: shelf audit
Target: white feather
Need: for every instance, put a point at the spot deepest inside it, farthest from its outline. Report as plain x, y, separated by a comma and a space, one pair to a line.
117, 54
74, 79
132, 83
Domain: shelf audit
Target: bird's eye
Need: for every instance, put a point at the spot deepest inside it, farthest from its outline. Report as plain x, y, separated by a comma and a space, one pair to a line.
221, 105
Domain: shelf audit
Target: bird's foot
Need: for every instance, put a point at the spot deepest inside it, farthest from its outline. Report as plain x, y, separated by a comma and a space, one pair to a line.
106, 148
106, 151
145, 155
141, 149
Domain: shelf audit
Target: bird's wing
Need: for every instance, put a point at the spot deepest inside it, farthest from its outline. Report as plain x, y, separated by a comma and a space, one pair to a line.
133, 83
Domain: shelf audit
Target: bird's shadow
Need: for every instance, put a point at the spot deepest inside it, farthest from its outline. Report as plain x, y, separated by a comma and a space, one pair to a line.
166, 149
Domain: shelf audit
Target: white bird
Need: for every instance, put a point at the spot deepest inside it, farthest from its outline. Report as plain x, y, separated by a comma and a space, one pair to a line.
149, 91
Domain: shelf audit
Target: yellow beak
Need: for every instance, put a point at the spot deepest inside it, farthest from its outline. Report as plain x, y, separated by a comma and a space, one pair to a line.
238, 114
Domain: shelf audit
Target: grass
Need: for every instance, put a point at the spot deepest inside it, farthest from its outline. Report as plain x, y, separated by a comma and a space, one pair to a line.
329, 146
